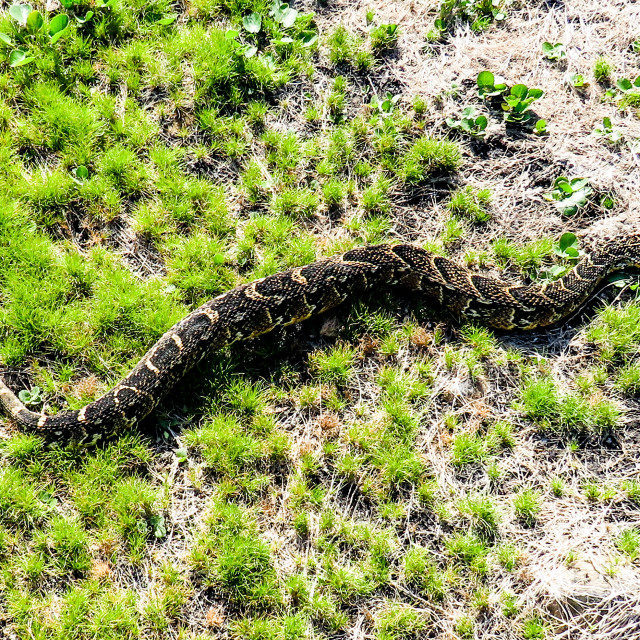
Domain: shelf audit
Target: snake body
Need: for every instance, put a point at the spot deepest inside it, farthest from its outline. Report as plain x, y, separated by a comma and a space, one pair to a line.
297, 294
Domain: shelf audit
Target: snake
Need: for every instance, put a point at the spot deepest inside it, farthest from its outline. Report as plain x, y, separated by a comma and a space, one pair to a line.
294, 295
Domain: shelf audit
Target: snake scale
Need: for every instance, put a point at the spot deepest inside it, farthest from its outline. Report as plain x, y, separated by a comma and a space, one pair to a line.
297, 294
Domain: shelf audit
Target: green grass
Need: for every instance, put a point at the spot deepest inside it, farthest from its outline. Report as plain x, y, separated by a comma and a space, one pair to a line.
527, 505
566, 412
616, 332
471, 203
398, 621
429, 157
628, 542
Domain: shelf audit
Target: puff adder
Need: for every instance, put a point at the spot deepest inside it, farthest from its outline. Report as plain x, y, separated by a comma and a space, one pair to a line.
297, 294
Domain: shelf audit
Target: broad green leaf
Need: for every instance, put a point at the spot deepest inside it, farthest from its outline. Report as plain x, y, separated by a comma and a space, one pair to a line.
20, 12
579, 183
485, 79
568, 240
547, 47
468, 111
58, 27
59, 23
252, 23
536, 94
624, 84
20, 57
289, 16
309, 38
82, 172
250, 51
481, 122
231, 34
285, 40
67, 4
519, 91
5, 38
168, 20
35, 21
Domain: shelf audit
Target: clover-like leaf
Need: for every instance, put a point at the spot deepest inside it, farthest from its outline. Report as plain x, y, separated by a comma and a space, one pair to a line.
158, 526
20, 12
58, 26
624, 84
541, 127
252, 23
20, 57
485, 79
5, 39
568, 240
35, 21
289, 16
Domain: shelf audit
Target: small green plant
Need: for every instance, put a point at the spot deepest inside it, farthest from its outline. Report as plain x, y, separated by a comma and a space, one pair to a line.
334, 365
527, 505
569, 195
420, 571
465, 627
607, 131
616, 331
477, 13
533, 629
518, 102
470, 203
630, 92
509, 603
348, 48
385, 105
31, 397
577, 81
468, 448
509, 556
558, 488
602, 70
490, 86
628, 542
553, 51
483, 514
383, 37
540, 128
474, 125
632, 489
398, 621
567, 249
429, 156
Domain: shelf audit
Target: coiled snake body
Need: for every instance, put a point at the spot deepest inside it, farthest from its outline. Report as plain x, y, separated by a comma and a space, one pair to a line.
297, 294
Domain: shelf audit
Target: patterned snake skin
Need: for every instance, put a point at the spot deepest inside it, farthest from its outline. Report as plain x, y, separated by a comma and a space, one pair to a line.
297, 294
